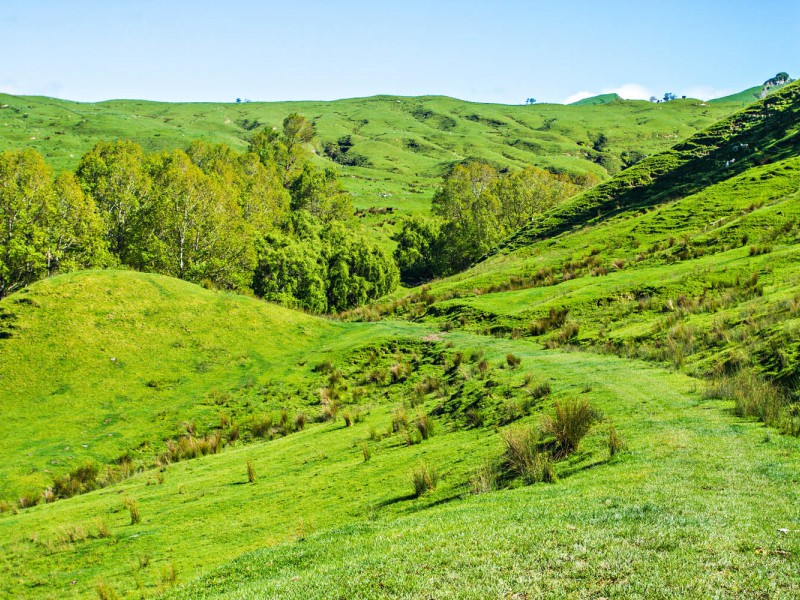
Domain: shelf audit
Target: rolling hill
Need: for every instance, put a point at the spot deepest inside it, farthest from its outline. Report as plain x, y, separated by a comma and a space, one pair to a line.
666, 298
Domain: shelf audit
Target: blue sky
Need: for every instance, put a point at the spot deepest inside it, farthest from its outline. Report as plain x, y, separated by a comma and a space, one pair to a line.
501, 51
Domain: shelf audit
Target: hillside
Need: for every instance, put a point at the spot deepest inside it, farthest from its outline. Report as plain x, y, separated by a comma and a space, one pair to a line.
409, 142
324, 521
665, 302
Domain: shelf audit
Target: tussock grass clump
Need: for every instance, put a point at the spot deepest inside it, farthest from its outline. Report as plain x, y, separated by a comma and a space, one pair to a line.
615, 442
251, 472
540, 390
365, 451
399, 420
81, 479
300, 421
572, 421
105, 591
261, 426
513, 360
753, 396
524, 455
424, 424
424, 478
133, 508
485, 479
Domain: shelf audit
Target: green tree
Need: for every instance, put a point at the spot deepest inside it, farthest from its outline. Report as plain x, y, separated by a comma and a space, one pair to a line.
256, 186
74, 232
46, 226
26, 198
196, 229
115, 175
470, 206
321, 193
418, 250
322, 266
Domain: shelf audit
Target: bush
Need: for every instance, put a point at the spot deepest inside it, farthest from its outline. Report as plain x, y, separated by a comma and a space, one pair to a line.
513, 361
424, 478
572, 421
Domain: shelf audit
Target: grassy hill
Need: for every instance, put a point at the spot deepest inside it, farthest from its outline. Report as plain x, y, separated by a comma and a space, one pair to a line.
409, 141
667, 298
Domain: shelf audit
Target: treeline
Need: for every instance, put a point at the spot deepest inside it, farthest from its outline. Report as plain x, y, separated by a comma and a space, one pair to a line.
477, 207
266, 220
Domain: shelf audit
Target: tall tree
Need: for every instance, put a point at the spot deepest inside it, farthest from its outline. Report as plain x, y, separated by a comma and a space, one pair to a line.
115, 175
197, 229
26, 197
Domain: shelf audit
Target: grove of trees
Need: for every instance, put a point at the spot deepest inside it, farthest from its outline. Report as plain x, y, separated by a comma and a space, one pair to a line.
476, 207
266, 220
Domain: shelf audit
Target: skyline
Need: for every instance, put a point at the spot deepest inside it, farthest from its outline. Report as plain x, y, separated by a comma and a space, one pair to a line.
505, 52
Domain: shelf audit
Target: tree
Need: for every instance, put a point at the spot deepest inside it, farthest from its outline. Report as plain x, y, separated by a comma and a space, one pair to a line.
115, 175
470, 207
322, 267
320, 192
45, 226
25, 200
418, 250
74, 232
530, 101
669, 96
257, 187
196, 228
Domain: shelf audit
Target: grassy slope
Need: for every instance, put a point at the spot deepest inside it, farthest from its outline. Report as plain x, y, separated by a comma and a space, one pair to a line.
102, 362
686, 499
409, 140
682, 514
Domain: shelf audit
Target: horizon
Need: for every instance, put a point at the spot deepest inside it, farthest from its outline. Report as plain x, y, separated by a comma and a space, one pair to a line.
89, 51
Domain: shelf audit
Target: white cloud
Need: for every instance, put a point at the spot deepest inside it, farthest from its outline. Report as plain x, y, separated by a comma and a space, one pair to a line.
27, 88
578, 96
630, 91
706, 92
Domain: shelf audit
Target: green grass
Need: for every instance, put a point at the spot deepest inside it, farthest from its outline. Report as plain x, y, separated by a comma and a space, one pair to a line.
624, 299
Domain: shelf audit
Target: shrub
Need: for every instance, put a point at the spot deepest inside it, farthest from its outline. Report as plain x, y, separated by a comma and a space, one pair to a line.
251, 472
524, 456
424, 478
572, 421
513, 361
